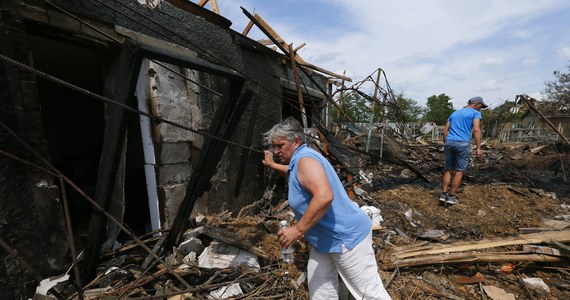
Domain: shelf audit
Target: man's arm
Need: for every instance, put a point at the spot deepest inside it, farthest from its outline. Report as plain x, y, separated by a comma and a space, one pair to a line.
477, 135
312, 178
446, 131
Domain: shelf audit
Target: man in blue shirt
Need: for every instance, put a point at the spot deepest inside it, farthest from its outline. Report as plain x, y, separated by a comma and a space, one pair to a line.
457, 138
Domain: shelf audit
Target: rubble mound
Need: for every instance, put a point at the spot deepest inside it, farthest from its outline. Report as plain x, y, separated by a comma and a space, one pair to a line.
507, 237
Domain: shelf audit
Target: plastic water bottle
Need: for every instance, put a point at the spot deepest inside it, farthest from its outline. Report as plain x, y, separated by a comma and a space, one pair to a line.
286, 253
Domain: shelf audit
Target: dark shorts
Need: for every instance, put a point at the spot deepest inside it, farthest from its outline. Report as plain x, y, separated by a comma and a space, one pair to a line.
456, 155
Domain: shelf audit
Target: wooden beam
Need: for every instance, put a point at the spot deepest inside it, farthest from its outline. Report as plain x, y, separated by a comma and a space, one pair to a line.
523, 239
270, 31
247, 28
266, 42
202, 2
470, 258
298, 86
299, 47
284, 48
316, 68
215, 6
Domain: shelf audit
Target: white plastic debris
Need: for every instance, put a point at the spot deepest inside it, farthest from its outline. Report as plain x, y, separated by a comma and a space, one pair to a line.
226, 292
408, 215
46, 284
221, 255
536, 283
117, 269
374, 214
366, 177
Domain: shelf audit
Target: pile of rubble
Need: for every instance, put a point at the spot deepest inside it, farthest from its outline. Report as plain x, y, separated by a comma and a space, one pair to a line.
508, 237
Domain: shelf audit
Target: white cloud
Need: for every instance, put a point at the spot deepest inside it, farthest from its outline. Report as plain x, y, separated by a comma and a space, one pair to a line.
493, 61
531, 61
564, 52
490, 85
460, 48
536, 95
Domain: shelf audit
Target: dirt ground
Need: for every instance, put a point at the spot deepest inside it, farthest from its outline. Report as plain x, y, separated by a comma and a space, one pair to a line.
500, 194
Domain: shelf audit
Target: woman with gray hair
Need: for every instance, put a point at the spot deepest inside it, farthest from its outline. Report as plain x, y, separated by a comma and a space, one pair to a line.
338, 231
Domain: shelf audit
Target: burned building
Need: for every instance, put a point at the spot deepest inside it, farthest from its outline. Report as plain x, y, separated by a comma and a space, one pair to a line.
148, 111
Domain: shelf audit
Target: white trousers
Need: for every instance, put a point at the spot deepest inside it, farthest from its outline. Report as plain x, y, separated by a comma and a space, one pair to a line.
357, 268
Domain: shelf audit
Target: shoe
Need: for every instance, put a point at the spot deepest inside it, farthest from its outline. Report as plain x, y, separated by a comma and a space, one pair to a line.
452, 199
443, 197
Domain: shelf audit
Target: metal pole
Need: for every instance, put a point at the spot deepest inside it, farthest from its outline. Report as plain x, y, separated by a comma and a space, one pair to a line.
376, 86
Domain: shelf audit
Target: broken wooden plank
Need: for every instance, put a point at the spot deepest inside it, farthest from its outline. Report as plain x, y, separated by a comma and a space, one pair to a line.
247, 28
564, 250
510, 188
532, 238
213, 3
282, 45
469, 257
541, 250
526, 230
298, 85
477, 278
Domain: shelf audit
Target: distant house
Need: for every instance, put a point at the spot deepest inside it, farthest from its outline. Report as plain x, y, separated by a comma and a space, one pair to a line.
142, 107
533, 127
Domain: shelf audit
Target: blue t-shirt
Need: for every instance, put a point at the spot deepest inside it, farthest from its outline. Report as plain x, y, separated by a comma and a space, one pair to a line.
343, 223
461, 124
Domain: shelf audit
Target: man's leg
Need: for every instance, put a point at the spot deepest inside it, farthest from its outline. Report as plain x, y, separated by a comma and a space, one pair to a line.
456, 182
446, 180
322, 276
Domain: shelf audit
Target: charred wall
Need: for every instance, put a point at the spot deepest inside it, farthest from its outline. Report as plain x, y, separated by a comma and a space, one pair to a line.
68, 129
31, 220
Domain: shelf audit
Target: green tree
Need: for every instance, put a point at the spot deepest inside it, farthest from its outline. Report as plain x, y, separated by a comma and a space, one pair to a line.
438, 109
356, 107
403, 109
557, 91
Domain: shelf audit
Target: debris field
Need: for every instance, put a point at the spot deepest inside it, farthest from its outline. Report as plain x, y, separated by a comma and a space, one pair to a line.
507, 238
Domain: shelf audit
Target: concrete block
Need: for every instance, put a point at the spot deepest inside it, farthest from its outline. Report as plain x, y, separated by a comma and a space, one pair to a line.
177, 173
173, 153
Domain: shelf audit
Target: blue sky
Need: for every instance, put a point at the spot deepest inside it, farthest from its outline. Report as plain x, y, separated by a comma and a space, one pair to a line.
496, 49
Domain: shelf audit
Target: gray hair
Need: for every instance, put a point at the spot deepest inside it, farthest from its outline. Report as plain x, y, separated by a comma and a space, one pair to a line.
288, 129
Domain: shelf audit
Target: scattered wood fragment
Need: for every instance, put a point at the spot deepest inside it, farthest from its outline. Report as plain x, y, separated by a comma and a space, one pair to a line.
564, 250
531, 238
541, 250
469, 257
518, 192
477, 278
